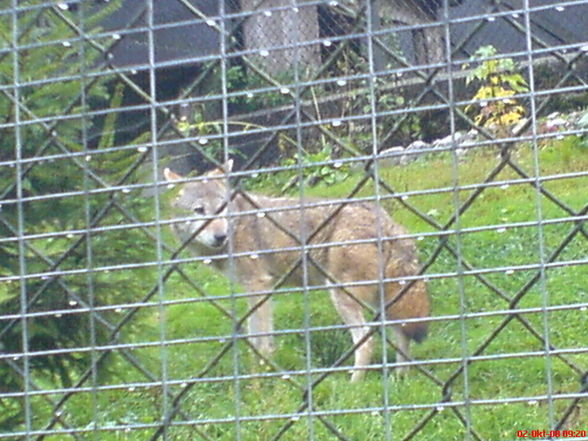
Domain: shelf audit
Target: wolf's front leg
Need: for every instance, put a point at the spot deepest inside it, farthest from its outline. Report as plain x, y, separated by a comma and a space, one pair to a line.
261, 321
261, 324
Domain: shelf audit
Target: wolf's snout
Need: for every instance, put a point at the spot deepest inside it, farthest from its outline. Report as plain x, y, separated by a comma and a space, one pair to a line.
219, 239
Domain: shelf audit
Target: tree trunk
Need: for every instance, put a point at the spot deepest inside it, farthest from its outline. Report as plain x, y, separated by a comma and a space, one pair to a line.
266, 29
428, 43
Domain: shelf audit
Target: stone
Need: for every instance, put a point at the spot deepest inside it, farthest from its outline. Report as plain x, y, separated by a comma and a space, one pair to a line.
447, 141
412, 149
390, 156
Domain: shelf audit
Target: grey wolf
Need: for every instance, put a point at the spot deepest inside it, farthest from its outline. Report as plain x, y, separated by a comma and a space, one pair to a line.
266, 233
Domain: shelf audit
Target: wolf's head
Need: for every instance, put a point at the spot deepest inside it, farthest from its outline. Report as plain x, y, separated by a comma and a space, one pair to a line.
206, 200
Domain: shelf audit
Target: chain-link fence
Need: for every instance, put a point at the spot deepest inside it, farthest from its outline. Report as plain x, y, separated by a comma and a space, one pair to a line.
233, 220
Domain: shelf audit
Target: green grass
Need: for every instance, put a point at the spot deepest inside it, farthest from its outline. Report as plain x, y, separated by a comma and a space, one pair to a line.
217, 405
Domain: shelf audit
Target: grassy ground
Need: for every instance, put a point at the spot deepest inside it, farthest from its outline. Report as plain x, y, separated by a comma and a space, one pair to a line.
506, 389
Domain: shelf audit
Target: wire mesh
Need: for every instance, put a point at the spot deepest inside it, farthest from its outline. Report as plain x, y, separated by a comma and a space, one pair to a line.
124, 318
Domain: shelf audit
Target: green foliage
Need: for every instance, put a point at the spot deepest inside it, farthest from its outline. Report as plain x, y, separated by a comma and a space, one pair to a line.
512, 374
317, 167
500, 79
238, 80
63, 181
411, 125
210, 133
196, 330
209, 329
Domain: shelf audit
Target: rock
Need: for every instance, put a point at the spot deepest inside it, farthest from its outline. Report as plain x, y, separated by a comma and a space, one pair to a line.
418, 145
447, 142
391, 156
555, 124
582, 121
516, 129
412, 151
467, 142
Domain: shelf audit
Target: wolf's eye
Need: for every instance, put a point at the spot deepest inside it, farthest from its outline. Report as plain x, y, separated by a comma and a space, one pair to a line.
199, 209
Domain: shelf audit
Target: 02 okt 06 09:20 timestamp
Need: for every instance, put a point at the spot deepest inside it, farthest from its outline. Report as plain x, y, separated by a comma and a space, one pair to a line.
551, 433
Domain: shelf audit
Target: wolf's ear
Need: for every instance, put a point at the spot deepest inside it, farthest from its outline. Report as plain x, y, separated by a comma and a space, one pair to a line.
170, 175
225, 169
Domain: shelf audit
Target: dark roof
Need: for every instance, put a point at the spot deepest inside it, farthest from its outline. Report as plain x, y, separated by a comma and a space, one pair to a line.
430, 7
190, 41
554, 26
175, 43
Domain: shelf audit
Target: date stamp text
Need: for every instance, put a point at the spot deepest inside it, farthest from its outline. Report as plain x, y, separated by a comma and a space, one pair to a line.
537, 434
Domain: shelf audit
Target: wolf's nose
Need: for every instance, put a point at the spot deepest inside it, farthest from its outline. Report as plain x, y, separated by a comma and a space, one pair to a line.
220, 238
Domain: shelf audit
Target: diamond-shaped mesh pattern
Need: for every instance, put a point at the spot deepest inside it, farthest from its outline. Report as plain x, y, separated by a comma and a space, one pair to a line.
111, 329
